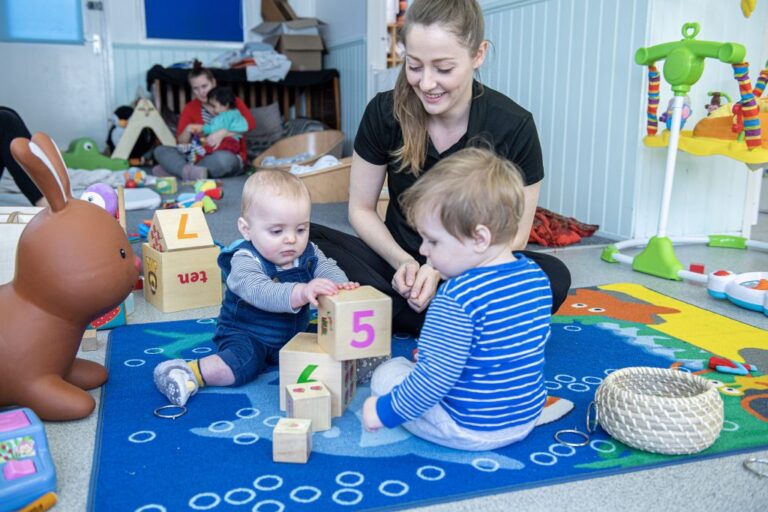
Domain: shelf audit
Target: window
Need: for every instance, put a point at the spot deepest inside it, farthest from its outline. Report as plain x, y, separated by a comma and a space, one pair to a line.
41, 21
198, 20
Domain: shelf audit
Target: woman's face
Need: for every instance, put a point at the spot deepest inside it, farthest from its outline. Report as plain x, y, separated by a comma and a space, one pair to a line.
440, 69
201, 86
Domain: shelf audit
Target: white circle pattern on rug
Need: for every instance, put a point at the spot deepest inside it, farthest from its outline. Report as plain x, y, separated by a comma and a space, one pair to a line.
278, 482
341, 482
250, 496
203, 495
358, 496
135, 437
421, 473
295, 494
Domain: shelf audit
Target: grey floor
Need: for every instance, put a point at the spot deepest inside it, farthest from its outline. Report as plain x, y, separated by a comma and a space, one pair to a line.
720, 484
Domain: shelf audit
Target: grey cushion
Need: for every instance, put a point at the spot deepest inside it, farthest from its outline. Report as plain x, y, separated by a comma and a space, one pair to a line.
269, 122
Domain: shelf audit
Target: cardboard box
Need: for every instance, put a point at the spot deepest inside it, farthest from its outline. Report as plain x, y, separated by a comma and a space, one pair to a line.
277, 10
298, 39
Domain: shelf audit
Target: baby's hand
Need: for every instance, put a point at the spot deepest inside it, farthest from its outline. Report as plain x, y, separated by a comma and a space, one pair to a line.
371, 421
317, 287
195, 128
349, 285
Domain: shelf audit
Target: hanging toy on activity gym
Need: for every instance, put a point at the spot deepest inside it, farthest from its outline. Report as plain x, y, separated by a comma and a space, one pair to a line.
683, 66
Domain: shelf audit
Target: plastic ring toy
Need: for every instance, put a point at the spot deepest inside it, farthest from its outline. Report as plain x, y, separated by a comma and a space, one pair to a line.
592, 426
751, 464
167, 416
575, 432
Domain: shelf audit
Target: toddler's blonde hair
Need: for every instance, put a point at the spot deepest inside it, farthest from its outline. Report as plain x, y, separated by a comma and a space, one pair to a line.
272, 181
471, 187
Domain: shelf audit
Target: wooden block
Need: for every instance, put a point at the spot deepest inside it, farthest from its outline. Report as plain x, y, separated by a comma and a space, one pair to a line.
145, 115
310, 401
354, 324
292, 440
89, 343
179, 228
178, 280
303, 361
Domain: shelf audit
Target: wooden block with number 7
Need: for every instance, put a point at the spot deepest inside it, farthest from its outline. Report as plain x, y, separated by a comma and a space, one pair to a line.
354, 324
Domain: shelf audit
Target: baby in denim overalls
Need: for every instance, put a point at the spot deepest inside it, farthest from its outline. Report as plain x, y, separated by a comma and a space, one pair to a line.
272, 276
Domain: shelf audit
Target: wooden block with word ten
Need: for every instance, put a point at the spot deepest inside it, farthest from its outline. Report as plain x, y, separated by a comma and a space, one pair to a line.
303, 361
354, 324
310, 401
292, 440
180, 267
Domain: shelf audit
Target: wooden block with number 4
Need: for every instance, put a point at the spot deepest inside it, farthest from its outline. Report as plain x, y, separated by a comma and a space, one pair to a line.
292, 440
303, 361
354, 324
310, 401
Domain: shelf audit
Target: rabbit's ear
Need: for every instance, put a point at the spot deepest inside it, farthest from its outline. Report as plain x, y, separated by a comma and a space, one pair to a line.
50, 149
36, 161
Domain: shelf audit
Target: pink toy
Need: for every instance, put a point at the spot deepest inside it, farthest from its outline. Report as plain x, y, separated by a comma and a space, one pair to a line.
102, 195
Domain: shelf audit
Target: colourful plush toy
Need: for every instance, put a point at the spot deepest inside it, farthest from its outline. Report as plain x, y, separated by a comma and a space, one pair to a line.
83, 153
73, 264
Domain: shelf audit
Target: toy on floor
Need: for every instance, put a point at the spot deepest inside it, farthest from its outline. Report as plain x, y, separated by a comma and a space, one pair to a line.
748, 290
683, 66
723, 365
145, 115
83, 153
180, 262
119, 121
27, 472
74, 263
102, 195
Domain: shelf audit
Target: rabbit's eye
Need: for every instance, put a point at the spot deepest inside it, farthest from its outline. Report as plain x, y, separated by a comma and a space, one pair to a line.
122, 253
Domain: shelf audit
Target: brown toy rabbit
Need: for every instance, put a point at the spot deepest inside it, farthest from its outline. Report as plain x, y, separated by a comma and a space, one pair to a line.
73, 264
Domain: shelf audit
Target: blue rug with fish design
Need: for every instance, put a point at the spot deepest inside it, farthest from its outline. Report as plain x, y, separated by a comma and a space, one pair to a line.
218, 456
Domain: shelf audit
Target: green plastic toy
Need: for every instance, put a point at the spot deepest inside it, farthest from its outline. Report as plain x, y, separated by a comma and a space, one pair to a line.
83, 153
683, 66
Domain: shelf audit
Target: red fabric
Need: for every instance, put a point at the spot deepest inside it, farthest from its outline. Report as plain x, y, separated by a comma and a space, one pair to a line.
552, 229
193, 113
230, 144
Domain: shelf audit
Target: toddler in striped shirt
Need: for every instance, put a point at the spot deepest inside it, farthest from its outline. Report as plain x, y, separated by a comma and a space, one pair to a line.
478, 383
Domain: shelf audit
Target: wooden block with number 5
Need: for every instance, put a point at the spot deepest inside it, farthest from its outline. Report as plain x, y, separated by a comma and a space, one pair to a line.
354, 324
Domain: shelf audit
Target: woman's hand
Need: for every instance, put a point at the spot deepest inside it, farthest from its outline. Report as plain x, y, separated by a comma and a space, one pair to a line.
404, 277
215, 138
424, 288
416, 283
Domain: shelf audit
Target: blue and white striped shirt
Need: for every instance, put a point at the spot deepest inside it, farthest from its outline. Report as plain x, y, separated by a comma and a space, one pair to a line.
481, 350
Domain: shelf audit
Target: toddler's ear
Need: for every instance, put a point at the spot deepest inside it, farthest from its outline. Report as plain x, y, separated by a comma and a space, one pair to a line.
243, 228
482, 238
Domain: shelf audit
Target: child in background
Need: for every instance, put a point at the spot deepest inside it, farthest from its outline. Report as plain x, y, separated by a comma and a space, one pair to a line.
222, 99
272, 276
478, 383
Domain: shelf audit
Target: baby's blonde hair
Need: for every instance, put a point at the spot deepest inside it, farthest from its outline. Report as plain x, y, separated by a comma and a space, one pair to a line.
471, 187
271, 180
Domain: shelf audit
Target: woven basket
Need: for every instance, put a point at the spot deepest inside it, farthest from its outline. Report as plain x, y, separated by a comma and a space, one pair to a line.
660, 410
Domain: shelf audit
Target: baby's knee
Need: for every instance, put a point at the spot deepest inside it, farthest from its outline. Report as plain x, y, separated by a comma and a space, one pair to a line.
389, 374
